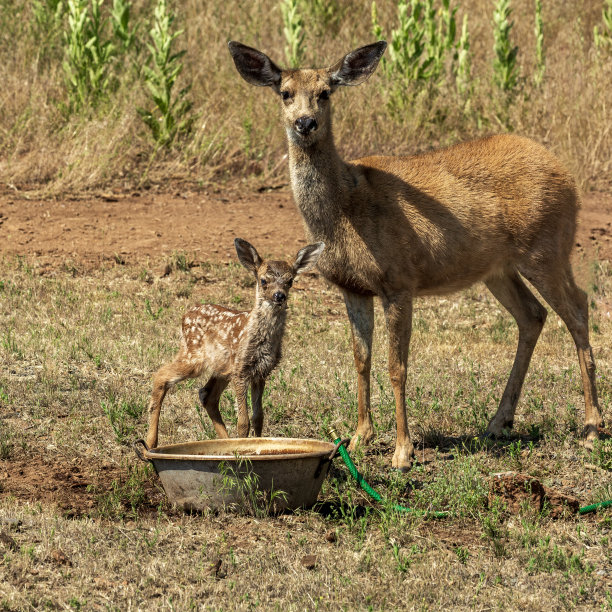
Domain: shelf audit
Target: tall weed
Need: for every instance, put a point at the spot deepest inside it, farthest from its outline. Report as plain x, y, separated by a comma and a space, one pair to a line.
505, 69
420, 49
88, 53
171, 113
293, 31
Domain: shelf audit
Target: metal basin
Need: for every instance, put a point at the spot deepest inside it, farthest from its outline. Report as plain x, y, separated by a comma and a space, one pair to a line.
257, 475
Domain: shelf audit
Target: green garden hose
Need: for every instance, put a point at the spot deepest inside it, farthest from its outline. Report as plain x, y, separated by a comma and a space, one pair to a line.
593, 507
369, 490
427, 513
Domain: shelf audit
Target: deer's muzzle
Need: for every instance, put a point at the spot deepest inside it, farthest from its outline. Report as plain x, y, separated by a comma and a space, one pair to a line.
305, 125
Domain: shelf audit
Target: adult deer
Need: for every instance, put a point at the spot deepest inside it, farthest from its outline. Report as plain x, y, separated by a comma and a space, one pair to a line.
490, 210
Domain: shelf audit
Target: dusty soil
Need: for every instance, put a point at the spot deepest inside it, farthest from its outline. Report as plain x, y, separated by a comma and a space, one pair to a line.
143, 225
75, 487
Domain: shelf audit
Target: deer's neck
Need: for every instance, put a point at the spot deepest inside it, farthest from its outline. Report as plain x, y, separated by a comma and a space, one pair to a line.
320, 181
261, 349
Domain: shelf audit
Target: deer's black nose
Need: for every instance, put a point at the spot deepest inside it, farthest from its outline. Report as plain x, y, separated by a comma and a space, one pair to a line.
279, 297
305, 125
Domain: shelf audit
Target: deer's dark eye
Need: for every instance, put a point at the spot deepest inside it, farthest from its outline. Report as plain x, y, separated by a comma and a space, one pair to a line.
285, 95
290, 283
264, 282
324, 95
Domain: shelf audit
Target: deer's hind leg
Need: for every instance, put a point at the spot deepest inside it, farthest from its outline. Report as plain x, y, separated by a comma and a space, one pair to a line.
530, 316
210, 394
570, 303
165, 378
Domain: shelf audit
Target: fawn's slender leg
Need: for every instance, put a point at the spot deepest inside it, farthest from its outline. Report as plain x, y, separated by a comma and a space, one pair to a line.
257, 389
240, 388
165, 378
530, 316
570, 303
360, 311
210, 394
398, 311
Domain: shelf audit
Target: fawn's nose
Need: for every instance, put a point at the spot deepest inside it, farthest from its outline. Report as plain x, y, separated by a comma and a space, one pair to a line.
305, 125
279, 297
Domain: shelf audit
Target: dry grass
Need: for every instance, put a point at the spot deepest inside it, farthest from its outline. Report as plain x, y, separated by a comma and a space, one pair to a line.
237, 132
73, 342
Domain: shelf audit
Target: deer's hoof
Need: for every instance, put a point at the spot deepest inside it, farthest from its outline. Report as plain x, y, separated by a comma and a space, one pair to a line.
499, 428
402, 458
361, 438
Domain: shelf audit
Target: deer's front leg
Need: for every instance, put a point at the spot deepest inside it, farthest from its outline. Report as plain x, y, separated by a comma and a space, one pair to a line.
360, 311
398, 311
240, 388
257, 389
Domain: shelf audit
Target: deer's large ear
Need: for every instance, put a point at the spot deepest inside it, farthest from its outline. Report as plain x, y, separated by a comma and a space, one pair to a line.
357, 66
308, 257
254, 66
248, 255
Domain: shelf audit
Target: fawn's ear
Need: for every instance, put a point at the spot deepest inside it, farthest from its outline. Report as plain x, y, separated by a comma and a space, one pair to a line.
357, 66
248, 255
308, 257
254, 66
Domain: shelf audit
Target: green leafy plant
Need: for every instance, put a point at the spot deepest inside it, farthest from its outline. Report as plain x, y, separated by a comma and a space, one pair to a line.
154, 314
88, 53
505, 70
123, 416
125, 495
171, 113
293, 31
46, 26
463, 65
241, 481
421, 48
602, 453
540, 66
121, 22
602, 35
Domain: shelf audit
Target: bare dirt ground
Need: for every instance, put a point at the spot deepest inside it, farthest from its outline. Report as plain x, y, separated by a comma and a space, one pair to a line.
202, 224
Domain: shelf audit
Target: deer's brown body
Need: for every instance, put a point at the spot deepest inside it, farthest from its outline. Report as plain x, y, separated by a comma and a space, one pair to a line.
241, 347
490, 210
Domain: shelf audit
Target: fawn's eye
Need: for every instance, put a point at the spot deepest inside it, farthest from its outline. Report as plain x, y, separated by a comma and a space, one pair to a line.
285, 95
324, 95
290, 283
264, 282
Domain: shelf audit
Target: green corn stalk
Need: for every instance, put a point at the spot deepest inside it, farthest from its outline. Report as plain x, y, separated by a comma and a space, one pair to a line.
603, 38
505, 70
293, 30
89, 56
539, 36
171, 113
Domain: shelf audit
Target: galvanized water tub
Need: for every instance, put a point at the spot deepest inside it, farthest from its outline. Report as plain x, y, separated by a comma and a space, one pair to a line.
260, 475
